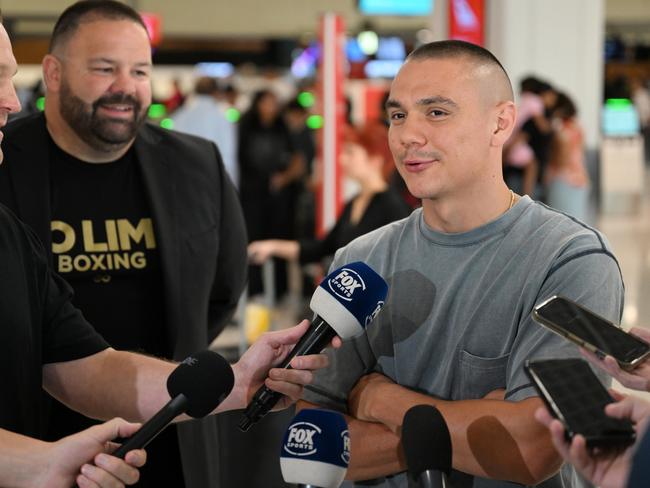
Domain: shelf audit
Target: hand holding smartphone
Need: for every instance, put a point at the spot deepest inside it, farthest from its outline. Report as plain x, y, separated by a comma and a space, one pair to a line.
575, 396
589, 330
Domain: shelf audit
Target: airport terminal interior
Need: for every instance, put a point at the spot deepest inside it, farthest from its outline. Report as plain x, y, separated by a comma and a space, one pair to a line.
579, 68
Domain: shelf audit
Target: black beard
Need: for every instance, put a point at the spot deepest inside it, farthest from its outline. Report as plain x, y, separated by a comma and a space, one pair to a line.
99, 132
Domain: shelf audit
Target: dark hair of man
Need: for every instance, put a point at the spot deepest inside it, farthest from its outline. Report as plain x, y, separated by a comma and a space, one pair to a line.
457, 49
89, 11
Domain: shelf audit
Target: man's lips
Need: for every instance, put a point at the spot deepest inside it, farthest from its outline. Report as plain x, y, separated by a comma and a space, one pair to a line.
117, 109
417, 165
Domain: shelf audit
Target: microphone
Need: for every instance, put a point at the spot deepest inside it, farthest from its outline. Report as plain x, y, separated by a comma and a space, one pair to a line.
345, 302
197, 385
427, 446
315, 450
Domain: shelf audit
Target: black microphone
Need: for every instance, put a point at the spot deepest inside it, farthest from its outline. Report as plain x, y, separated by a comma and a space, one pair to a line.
345, 302
197, 385
427, 446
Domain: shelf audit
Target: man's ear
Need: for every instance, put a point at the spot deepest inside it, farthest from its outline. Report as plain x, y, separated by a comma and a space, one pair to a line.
505, 117
52, 72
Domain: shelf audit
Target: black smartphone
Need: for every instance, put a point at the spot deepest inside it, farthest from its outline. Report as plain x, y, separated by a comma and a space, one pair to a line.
591, 331
574, 395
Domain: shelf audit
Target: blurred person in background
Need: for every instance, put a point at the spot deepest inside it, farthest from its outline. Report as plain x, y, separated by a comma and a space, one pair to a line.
520, 166
539, 134
566, 179
363, 159
202, 115
176, 98
304, 143
143, 222
269, 165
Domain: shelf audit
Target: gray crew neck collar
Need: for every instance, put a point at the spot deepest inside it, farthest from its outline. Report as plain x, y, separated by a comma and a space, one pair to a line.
497, 226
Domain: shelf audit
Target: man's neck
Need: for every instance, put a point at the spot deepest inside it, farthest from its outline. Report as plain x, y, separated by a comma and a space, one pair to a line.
64, 137
468, 210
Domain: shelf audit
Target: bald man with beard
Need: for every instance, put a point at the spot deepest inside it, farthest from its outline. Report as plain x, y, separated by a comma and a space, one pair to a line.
465, 271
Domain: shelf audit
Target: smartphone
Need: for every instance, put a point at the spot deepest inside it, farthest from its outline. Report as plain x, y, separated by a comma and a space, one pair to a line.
591, 331
575, 396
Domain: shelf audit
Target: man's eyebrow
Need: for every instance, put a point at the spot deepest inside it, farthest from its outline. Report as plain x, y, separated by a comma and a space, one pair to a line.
113, 61
437, 100
390, 103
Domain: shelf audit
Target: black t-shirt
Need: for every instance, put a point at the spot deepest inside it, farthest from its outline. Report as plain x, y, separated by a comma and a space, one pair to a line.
38, 325
384, 207
104, 244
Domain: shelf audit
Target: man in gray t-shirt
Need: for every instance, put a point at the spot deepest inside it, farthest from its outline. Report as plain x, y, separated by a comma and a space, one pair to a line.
464, 273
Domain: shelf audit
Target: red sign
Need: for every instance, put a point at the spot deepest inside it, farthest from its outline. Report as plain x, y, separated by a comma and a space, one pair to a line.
331, 77
466, 20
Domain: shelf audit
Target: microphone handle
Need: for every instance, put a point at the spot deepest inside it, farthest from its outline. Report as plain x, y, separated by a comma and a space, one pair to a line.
432, 479
308, 486
153, 426
317, 337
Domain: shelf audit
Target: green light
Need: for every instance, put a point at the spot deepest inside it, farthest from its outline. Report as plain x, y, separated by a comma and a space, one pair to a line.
157, 111
306, 99
232, 114
315, 121
618, 103
167, 123
40, 103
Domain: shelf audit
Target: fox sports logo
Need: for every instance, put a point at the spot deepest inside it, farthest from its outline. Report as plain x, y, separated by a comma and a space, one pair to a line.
301, 439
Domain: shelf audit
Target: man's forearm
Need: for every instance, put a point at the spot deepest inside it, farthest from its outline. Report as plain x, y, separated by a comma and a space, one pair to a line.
111, 384
376, 450
490, 438
22, 460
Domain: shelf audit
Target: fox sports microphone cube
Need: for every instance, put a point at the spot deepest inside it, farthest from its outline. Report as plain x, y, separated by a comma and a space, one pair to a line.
349, 298
316, 449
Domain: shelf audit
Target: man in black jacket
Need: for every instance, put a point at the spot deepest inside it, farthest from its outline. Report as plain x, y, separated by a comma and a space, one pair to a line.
142, 222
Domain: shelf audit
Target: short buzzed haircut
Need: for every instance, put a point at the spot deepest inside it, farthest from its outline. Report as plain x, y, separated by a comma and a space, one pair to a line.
458, 49
90, 11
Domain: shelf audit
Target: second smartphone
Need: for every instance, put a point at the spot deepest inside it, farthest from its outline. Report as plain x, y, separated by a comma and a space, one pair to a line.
589, 330
575, 396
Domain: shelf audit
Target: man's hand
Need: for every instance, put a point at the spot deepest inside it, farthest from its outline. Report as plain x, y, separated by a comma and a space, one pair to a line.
83, 458
365, 393
636, 379
255, 367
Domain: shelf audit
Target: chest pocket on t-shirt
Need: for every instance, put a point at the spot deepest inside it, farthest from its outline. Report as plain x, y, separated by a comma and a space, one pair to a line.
479, 375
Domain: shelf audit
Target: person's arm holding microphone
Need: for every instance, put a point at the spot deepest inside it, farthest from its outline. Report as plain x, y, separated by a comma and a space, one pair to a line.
117, 383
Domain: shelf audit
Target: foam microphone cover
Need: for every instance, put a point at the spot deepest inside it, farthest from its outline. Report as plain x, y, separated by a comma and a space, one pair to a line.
205, 379
349, 298
426, 441
316, 449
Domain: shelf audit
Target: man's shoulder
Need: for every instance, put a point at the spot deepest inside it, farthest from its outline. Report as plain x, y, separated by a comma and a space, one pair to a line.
555, 226
154, 134
379, 240
27, 124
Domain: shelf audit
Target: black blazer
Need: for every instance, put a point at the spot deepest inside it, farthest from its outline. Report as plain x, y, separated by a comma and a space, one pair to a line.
200, 230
